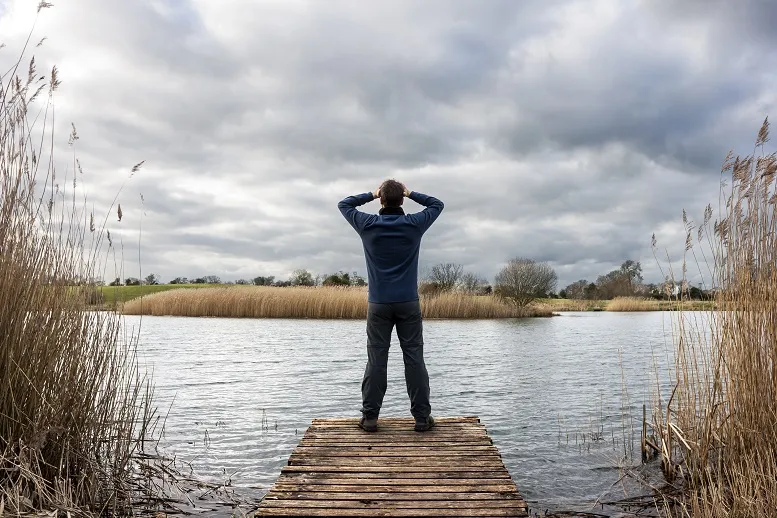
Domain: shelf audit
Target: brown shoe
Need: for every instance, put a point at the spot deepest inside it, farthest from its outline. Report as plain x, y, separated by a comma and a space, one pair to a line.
424, 425
368, 425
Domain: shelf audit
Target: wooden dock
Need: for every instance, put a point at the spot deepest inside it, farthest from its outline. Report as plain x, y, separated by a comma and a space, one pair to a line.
339, 470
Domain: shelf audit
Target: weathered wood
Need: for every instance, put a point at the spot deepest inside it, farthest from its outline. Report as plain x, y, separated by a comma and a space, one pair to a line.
392, 471
416, 462
312, 480
340, 443
484, 511
406, 451
394, 420
340, 470
394, 504
302, 488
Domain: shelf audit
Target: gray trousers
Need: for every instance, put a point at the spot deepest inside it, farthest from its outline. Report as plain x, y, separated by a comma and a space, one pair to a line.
381, 319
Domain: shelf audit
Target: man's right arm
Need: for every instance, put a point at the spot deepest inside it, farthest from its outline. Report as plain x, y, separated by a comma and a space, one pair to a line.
426, 217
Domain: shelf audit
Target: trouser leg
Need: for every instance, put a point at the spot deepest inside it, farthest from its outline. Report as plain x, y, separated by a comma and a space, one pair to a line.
411, 338
379, 328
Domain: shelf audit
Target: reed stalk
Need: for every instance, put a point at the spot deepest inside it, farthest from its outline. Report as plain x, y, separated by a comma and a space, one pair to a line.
718, 429
74, 409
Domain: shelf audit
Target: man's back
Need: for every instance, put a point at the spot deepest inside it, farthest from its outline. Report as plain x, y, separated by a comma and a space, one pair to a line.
391, 241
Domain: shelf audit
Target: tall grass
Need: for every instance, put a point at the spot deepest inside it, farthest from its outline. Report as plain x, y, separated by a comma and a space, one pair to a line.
73, 406
620, 304
718, 429
317, 302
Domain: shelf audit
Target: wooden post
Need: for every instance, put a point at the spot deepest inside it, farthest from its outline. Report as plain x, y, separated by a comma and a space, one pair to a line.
644, 434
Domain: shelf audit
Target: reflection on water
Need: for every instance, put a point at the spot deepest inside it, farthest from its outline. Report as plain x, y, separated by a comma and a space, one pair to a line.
241, 392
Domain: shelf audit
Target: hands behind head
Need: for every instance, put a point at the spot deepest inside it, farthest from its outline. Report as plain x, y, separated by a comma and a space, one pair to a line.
376, 194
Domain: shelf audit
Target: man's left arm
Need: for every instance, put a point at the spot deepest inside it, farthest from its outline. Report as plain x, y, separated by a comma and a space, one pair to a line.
356, 218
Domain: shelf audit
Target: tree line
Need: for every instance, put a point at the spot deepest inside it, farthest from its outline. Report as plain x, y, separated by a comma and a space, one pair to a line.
520, 281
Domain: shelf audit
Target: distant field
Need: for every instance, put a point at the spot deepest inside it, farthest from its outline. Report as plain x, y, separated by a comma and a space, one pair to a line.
121, 294
314, 302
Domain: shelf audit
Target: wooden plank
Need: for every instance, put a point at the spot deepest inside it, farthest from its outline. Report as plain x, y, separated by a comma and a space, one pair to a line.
380, 440
395, 471
339, 470
420, 497
302, 479
485, 511
459, 488
452, 427
397, 504
395, 420
343, 443
407, 451
416, 462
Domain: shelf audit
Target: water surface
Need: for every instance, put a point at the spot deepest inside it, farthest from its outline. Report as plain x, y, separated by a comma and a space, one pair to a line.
557, 394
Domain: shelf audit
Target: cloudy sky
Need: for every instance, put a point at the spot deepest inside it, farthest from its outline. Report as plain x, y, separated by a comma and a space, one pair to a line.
564, 131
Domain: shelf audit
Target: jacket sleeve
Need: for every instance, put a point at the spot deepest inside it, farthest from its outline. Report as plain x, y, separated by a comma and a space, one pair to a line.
426, 217
356, 218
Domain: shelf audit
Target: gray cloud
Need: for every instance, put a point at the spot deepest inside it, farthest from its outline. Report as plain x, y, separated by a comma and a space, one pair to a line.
565, 131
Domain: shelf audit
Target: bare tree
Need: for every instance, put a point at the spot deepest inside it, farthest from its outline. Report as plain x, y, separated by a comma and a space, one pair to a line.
524, 280
472, 283
577, 290
446, 276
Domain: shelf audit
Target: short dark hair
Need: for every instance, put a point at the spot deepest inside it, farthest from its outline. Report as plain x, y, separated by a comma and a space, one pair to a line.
392, 193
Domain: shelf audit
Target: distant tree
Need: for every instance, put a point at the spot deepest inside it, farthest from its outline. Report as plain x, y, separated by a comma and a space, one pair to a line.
199, 280
358, 280
282, 284
562, 294
472, 283
623, 282
151, 279
577, 290
591, 292
180, 280
243, 282
632, 270
446, 276
302, 277
212, 279
115, 282
337, 279
132, 281
264, 281
523, 280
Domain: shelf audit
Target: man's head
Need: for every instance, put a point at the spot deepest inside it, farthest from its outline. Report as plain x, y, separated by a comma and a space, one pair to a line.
392, 193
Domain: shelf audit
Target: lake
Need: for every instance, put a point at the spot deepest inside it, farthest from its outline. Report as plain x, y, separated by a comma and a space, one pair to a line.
562, 397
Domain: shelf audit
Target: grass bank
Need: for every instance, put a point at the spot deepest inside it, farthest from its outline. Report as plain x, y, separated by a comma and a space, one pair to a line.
316, 302
624, 304
115, 296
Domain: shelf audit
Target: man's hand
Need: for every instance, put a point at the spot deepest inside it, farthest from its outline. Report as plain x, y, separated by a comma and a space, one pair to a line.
376, 194
407, 192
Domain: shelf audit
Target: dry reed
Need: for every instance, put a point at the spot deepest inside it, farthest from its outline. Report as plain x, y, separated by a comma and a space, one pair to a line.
718, 429
315, 302
632, 304
73, 407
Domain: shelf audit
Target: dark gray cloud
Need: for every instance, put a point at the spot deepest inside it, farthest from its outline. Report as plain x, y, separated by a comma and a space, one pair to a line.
565, 131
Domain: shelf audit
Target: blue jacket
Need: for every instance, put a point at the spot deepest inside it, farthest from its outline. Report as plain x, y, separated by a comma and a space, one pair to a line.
391, 245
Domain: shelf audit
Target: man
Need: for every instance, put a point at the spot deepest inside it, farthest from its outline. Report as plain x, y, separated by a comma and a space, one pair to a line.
391, 242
